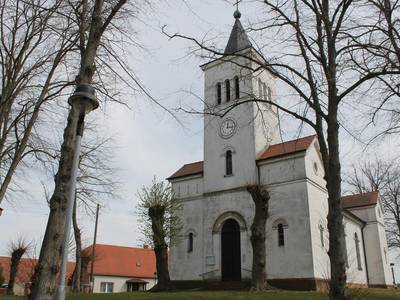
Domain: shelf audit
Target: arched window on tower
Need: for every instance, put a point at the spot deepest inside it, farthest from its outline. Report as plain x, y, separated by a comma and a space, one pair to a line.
269, 91
281, 235
357, 242
190, 242
228, 90
219, 93
237, 88
228, 162
260, 89
265, 96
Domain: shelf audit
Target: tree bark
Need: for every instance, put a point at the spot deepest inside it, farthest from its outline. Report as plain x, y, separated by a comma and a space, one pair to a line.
44, 281
261, 197
157, 214
15, 260
77, 279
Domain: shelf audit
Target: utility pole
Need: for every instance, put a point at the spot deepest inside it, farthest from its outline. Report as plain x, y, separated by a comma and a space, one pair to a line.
94, 249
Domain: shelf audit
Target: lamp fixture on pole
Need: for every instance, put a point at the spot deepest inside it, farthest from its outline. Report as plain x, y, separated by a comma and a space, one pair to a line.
83, 100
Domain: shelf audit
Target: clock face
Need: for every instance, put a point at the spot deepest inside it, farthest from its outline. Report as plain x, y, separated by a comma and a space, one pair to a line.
227, 128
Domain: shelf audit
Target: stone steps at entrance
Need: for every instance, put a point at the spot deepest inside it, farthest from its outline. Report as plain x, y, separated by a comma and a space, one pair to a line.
211, 285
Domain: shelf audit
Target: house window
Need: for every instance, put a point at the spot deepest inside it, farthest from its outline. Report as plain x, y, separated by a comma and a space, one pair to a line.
357, 242
219, 96
260, 89
321, 234
228, 90
237, 88
190, 242
281, 235
107, 287
269, 94
228, 162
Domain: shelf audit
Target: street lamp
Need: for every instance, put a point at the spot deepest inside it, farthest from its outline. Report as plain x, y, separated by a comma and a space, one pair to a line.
83, 100
394, 280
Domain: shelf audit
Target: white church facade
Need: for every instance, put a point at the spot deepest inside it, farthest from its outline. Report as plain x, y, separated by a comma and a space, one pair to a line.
243, 147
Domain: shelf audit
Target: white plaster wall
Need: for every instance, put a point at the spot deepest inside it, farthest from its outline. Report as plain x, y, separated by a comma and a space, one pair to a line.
284, 169
294, 260
199, 217
188, 187
318, 210
354, 275
241, 144
376, 244
120, 285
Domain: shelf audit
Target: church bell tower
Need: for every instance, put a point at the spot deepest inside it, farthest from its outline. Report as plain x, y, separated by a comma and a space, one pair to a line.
236, 129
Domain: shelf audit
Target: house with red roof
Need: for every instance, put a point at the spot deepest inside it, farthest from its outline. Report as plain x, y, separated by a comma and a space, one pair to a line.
26, 269
119, 269
243, 146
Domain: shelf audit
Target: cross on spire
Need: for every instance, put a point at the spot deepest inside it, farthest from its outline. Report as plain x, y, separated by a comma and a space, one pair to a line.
237, 4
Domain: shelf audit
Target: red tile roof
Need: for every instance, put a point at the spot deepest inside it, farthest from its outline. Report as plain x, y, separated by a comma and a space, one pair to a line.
288, 147
124, 261
188, 169
360, 200
281, 149
25, 269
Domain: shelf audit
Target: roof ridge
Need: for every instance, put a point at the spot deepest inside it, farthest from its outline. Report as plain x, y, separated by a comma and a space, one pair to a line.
294, 140
358, 194
118, 246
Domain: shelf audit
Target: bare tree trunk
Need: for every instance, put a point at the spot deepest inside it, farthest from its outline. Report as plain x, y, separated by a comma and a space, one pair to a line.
44, 282
77, 279
45, 277
157, 215
261, 197
16, 256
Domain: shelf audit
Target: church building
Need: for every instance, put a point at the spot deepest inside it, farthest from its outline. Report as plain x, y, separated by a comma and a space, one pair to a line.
244, 147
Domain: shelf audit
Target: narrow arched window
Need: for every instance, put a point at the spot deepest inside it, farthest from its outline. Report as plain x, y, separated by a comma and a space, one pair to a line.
228, 161
219, 93
281, 235
228, 90
357, 242
264, 87
190, 242
269, 91
321, 234
237, 88
260, 88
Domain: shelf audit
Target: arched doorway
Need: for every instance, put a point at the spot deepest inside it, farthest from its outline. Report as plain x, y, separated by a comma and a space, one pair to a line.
230, 251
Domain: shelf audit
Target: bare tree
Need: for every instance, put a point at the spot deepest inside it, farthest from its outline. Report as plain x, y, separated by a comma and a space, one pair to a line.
101, 15
158, 211
33, 47
17, 250
316, 59
261, 197
382, 176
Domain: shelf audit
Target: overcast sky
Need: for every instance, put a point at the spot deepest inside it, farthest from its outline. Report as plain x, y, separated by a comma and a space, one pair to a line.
147, 140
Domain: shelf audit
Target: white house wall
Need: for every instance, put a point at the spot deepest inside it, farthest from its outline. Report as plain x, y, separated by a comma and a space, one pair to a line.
120, 285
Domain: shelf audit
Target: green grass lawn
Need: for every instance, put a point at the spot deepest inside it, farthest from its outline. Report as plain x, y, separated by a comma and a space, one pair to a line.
372, 294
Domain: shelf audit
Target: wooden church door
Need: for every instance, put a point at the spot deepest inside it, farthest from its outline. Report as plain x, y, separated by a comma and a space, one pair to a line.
230, 251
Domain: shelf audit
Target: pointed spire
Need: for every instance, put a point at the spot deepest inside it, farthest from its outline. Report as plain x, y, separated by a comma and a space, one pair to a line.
238, 39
